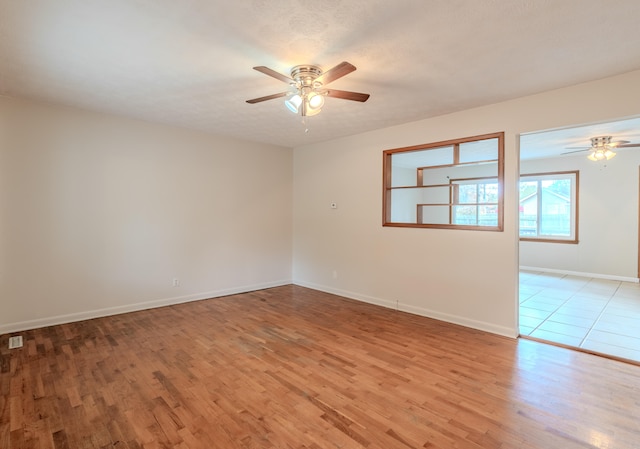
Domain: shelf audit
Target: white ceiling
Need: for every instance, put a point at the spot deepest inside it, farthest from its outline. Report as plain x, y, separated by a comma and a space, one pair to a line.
189, 62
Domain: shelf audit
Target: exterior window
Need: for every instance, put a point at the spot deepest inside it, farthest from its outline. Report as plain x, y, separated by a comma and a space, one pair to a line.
477, 201
456, 184
549, 207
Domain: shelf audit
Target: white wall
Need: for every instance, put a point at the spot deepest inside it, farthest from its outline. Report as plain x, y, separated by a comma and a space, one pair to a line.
608, 218
99, 214
467, 277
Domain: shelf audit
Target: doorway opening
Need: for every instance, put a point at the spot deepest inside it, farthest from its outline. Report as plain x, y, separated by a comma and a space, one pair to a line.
581, 290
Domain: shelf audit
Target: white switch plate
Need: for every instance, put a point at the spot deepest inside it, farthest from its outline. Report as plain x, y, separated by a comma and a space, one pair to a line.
15, 342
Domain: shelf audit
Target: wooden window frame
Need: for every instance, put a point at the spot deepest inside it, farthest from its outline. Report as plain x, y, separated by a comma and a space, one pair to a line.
455, 143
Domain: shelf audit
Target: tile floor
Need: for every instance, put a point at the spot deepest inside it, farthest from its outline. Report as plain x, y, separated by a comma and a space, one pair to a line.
595, 314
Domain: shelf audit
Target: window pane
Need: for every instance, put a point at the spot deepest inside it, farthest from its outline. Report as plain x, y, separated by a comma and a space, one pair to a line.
528, 208
488, 193
477, 192
488, 215
468, 194
548, 206
475, 215
555, 219
465, 215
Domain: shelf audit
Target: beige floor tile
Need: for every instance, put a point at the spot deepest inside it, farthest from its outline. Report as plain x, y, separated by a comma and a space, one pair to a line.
630, 330
555, 337
527, 321
620, 320
596, 314
579, 321
534, 303
579, 312
534, 313
565, 329
524, 330
623, 341
607, 349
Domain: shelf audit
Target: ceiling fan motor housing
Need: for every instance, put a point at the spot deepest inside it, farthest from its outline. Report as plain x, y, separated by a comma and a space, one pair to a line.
305, 75
597, 142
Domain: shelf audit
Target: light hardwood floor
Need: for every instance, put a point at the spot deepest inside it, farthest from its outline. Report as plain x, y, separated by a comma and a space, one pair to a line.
293, 368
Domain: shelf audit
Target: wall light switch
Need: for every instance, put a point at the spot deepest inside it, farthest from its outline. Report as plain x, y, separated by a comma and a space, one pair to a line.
15, 342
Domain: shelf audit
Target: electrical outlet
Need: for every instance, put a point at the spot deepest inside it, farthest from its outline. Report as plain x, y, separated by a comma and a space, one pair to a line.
15, 342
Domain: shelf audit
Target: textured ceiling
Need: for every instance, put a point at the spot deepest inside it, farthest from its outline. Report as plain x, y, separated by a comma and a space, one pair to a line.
190, 62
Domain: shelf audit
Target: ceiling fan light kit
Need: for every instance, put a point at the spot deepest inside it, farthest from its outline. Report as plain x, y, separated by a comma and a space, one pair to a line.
315, 100
600, 155
308, 81
293, 103
601, 149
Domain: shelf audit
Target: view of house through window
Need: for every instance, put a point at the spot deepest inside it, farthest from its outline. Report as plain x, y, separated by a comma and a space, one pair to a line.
548, 206
477, 202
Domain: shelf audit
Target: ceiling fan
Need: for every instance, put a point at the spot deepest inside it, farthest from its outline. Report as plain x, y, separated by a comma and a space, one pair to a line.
602, 148
308, 83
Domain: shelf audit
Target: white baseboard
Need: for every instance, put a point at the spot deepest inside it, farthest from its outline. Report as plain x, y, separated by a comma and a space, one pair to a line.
89, 314
462, 321
389, 304
582, 274
395, 305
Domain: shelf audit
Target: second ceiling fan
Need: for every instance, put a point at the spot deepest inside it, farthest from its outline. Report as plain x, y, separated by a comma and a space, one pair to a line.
602, 148
309, 82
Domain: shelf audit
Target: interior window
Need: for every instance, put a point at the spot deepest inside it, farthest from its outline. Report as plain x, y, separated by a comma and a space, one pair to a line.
455, 184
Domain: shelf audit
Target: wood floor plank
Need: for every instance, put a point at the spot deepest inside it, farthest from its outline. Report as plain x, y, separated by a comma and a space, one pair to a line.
294, 368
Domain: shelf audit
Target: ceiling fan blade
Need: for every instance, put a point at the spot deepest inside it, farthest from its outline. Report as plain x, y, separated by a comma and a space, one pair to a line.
274, 74
577, 151
268, 97
342, 69
347, 95
612, 145
617, 143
